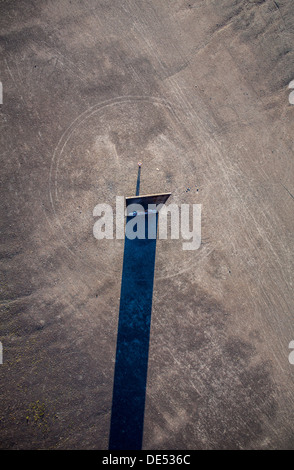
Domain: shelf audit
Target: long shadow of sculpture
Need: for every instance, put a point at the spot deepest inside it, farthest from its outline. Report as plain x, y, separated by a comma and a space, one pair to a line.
131, 364
138, 180
130, 375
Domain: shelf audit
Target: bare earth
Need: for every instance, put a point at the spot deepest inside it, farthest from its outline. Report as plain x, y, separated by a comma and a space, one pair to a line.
198, 91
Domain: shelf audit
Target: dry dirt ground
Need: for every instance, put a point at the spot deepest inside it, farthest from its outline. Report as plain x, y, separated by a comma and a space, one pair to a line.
198, 91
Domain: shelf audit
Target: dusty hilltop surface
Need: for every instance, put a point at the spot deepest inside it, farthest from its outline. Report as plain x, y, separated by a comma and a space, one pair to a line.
198, 91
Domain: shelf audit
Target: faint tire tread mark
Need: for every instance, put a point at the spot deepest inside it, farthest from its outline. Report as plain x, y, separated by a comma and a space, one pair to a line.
288, 191
78, 121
